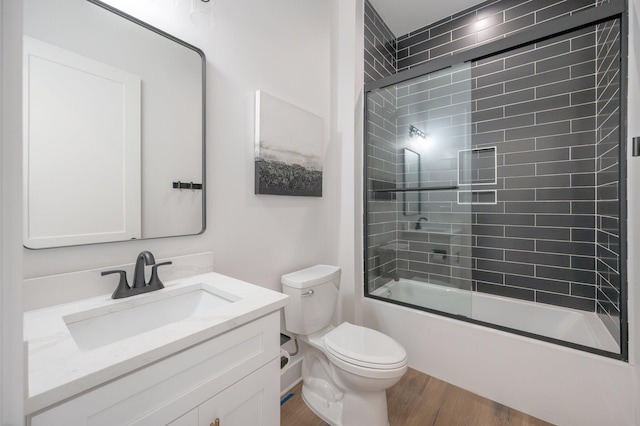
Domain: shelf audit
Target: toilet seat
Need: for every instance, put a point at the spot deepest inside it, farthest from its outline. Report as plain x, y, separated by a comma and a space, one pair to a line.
364, 351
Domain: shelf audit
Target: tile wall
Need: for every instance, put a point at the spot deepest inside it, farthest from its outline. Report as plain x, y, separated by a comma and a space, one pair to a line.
607, 175
539, 106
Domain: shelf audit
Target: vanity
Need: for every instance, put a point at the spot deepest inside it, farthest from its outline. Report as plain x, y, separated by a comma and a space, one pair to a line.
211, 359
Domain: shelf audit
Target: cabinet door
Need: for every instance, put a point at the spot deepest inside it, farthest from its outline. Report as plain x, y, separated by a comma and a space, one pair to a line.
251, 401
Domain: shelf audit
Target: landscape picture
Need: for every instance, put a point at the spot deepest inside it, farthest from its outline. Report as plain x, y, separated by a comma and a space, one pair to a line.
288, 149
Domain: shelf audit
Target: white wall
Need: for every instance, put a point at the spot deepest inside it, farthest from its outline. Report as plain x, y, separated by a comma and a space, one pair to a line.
347, 106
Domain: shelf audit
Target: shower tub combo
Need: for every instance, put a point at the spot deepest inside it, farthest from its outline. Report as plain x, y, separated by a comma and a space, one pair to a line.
495, 179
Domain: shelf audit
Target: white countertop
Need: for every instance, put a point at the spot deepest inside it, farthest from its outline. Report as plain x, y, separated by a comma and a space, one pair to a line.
59, 369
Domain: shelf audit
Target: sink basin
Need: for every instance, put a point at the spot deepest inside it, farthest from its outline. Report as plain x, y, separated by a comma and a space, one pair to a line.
99, 327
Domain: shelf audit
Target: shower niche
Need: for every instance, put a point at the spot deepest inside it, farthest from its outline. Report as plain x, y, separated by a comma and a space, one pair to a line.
494, 179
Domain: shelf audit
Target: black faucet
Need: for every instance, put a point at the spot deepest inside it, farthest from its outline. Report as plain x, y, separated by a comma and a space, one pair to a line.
418, 222
144, 258
139, 286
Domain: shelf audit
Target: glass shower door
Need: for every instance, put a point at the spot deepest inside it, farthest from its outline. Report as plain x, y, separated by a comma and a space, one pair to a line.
422, 179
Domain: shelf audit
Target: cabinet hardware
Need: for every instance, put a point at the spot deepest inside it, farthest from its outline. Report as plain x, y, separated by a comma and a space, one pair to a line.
216, 422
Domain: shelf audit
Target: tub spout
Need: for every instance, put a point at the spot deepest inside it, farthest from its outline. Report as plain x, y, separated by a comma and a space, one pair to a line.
418, 222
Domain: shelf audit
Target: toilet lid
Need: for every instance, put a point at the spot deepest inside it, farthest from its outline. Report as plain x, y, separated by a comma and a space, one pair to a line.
365, 347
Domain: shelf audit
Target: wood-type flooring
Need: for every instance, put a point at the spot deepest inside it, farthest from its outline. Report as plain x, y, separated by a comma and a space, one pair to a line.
421, 400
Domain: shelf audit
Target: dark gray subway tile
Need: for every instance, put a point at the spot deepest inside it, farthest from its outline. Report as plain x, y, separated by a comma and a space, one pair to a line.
549, 181
487, 276
561, 8
505, 28
567, 113
538, 258
567, 86
538, 79
583, 41
488, 138
540, 156
583, 207
565, 221
583, 69
414, 59
487, 253
555, 49
487, 114
566, 139
506, 267
565, 247
512, 219
517, 195
573, 275
517, 170
485, 68
583, 97
583, 124
538, 231
506, 243
505, 291
406, 42
562, 61
506, 123
556, 207
582, 152
528, 6
429, 44
556, 194
489, 91
565, 301
586, 235
539, 130
537, 105
583, 262
453, 46
559, 167
535, 283
507, 74
526, 95
492, 230
583, 290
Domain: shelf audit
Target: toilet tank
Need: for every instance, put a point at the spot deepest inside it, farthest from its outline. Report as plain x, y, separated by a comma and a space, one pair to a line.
313, 294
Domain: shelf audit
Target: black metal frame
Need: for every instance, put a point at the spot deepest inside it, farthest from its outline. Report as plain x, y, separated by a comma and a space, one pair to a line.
615, 9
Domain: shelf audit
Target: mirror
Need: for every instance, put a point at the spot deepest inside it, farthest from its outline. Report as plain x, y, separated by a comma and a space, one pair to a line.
113, 127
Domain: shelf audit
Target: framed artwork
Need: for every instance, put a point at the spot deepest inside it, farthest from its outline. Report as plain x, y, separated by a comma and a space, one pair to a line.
288, 149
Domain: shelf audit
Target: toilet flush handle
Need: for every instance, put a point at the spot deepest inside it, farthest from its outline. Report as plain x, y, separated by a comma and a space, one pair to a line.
307, 293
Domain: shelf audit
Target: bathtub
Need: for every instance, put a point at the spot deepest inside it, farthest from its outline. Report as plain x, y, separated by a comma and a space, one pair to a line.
570, 325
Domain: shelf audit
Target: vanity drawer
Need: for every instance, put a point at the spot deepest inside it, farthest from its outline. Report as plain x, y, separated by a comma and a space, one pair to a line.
164, 391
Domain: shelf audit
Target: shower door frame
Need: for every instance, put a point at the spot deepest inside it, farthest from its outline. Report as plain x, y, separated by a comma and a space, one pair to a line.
615, 9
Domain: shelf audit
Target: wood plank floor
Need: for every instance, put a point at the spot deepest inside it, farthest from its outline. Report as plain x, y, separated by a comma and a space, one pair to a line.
420, 400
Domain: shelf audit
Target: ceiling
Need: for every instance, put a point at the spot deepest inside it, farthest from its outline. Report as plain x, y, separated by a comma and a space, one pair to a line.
404, 16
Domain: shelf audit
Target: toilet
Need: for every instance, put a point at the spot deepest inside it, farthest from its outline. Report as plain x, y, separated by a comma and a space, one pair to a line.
345, 369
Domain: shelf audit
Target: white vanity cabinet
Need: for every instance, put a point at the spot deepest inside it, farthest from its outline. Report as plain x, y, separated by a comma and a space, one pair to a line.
233, 377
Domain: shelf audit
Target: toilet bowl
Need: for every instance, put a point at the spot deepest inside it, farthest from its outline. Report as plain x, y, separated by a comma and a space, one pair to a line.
345, 369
